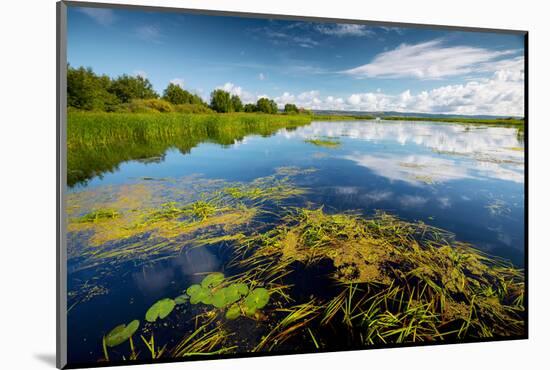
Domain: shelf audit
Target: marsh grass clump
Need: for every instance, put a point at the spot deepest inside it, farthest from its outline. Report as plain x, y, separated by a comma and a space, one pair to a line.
325, 143
400, 281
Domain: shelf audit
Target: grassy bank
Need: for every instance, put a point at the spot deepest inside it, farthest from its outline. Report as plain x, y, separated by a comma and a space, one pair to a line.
98, 142
86, 128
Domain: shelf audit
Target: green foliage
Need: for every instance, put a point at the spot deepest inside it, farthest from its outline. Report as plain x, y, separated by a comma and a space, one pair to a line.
233, 312
87, 91
236, 103
99, 215
192, 108
250, 108
181, 299
256, 300
99, 141
150, 105
160, 309
266, 105
175, 94
213, 291
212, 280
127, 87
220, 101
291, 108
121, 333
324, 142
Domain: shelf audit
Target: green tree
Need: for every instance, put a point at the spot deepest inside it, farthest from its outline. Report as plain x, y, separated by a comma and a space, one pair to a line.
127, 87
249, 108
220, 101
291, 108
195, 99
86, 90
266, 105
236, 103
176, 95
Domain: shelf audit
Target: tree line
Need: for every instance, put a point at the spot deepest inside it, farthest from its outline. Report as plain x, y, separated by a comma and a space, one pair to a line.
88, 91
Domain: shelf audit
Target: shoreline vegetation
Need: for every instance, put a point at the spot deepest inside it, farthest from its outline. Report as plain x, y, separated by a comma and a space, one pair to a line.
112, 120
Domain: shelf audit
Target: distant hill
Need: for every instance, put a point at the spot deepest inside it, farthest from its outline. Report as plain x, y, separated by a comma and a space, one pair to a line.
408, 114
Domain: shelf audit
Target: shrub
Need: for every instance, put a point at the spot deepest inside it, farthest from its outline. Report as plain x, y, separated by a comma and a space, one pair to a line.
192, 108
150, 105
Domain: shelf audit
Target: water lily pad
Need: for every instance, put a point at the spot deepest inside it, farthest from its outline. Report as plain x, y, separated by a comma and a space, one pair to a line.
200, 295
233, 312
160, 309
241, 288
121, 333
250, 310
257, 298
219, 298
193, 289
212, 280
182, 299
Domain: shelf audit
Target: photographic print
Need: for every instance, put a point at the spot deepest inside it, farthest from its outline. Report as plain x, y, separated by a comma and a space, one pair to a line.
244, 185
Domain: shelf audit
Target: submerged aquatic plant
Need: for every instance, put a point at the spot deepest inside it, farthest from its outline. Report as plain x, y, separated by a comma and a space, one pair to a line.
137, 226
99, 215
401, 281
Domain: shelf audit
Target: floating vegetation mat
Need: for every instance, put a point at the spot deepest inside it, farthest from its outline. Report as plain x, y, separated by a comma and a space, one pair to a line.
297, 276
325, 143
400, 281
132, 222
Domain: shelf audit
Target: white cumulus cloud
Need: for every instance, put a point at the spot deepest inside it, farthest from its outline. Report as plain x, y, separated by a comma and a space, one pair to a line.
501, 94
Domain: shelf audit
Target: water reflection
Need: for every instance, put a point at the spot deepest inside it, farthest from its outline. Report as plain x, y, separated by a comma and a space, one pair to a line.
420, 153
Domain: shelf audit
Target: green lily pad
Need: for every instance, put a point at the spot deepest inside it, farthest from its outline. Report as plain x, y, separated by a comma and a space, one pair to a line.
160, 309
212, 280
193, 289
182, 299
233, 312
241, 288
200, 295
218, 298
121, 333
257, 298
250, 310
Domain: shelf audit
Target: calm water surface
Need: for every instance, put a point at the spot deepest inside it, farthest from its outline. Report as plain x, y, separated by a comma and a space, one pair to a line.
465, 179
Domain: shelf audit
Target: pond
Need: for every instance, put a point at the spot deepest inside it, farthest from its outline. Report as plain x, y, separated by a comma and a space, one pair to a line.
467, 180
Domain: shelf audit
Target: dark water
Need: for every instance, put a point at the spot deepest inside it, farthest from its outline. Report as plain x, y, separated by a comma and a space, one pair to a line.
465, 179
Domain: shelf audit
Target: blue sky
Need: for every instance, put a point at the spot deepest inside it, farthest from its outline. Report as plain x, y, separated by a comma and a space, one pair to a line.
314, 65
